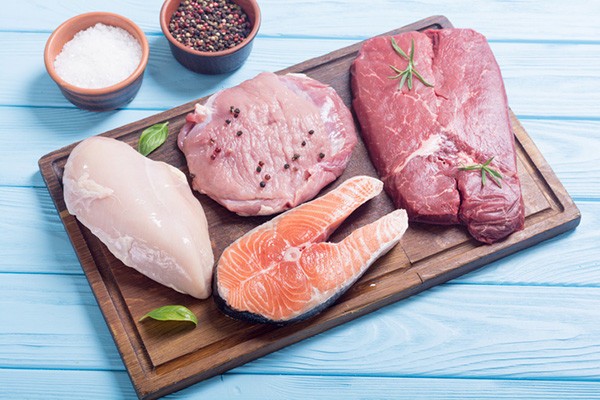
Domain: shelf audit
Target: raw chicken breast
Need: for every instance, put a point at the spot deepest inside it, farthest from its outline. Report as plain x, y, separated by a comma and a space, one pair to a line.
143, 211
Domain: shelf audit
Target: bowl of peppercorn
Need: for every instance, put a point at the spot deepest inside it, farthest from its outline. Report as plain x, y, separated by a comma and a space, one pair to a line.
210, 36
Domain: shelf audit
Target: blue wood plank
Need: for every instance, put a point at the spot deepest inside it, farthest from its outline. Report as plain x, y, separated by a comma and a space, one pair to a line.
102, 385
571, 259
570, 148
65, 384
550, 20
29, 217
55, 323
33, 132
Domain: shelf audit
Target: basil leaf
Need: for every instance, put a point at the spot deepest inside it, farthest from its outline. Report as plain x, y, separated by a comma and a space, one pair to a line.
152, 138
171, 313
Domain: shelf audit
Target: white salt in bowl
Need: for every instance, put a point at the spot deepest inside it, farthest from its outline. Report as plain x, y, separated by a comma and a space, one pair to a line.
104, 98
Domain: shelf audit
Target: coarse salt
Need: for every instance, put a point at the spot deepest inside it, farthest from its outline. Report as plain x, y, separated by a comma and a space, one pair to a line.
98, 57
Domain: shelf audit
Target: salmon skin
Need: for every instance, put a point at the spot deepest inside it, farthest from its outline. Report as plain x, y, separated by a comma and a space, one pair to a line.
283, 271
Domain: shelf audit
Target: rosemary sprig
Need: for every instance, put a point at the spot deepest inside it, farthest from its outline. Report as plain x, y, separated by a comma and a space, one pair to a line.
485, 170
407, 74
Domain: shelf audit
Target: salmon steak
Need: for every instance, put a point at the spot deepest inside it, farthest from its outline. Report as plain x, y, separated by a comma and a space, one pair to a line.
283, 271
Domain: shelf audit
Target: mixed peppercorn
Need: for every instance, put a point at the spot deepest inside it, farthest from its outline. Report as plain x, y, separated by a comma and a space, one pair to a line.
235, 112
209, 25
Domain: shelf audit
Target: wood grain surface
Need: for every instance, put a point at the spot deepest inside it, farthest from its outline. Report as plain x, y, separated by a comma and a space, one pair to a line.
161, 359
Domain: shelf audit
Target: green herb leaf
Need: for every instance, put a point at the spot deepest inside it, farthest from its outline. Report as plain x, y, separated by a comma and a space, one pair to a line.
402, 82
152, 138
494, 173
485, 170
398, 49
406, 75
396, 69
172, 313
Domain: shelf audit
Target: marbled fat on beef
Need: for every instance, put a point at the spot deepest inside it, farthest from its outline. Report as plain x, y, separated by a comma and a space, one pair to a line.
268, 144
418, 139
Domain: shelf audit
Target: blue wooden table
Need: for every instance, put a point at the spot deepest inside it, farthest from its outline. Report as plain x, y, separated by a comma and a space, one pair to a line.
527, 326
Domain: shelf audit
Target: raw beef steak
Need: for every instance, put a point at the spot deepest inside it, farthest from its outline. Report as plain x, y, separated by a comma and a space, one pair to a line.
268, 144
419, 138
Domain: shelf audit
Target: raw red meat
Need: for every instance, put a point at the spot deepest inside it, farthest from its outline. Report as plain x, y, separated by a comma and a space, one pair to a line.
268, 144
419, 139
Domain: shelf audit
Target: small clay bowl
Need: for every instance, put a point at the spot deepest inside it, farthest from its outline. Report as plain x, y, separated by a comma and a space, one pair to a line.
215, 62
100, 99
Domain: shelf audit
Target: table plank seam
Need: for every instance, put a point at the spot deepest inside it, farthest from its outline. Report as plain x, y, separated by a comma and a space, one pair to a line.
378, 375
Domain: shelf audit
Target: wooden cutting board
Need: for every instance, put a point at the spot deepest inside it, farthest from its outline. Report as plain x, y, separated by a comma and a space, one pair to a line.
162, 358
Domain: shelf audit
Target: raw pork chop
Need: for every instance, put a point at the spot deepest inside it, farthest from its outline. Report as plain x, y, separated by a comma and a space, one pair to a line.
419, 139
268, 144
144, 212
